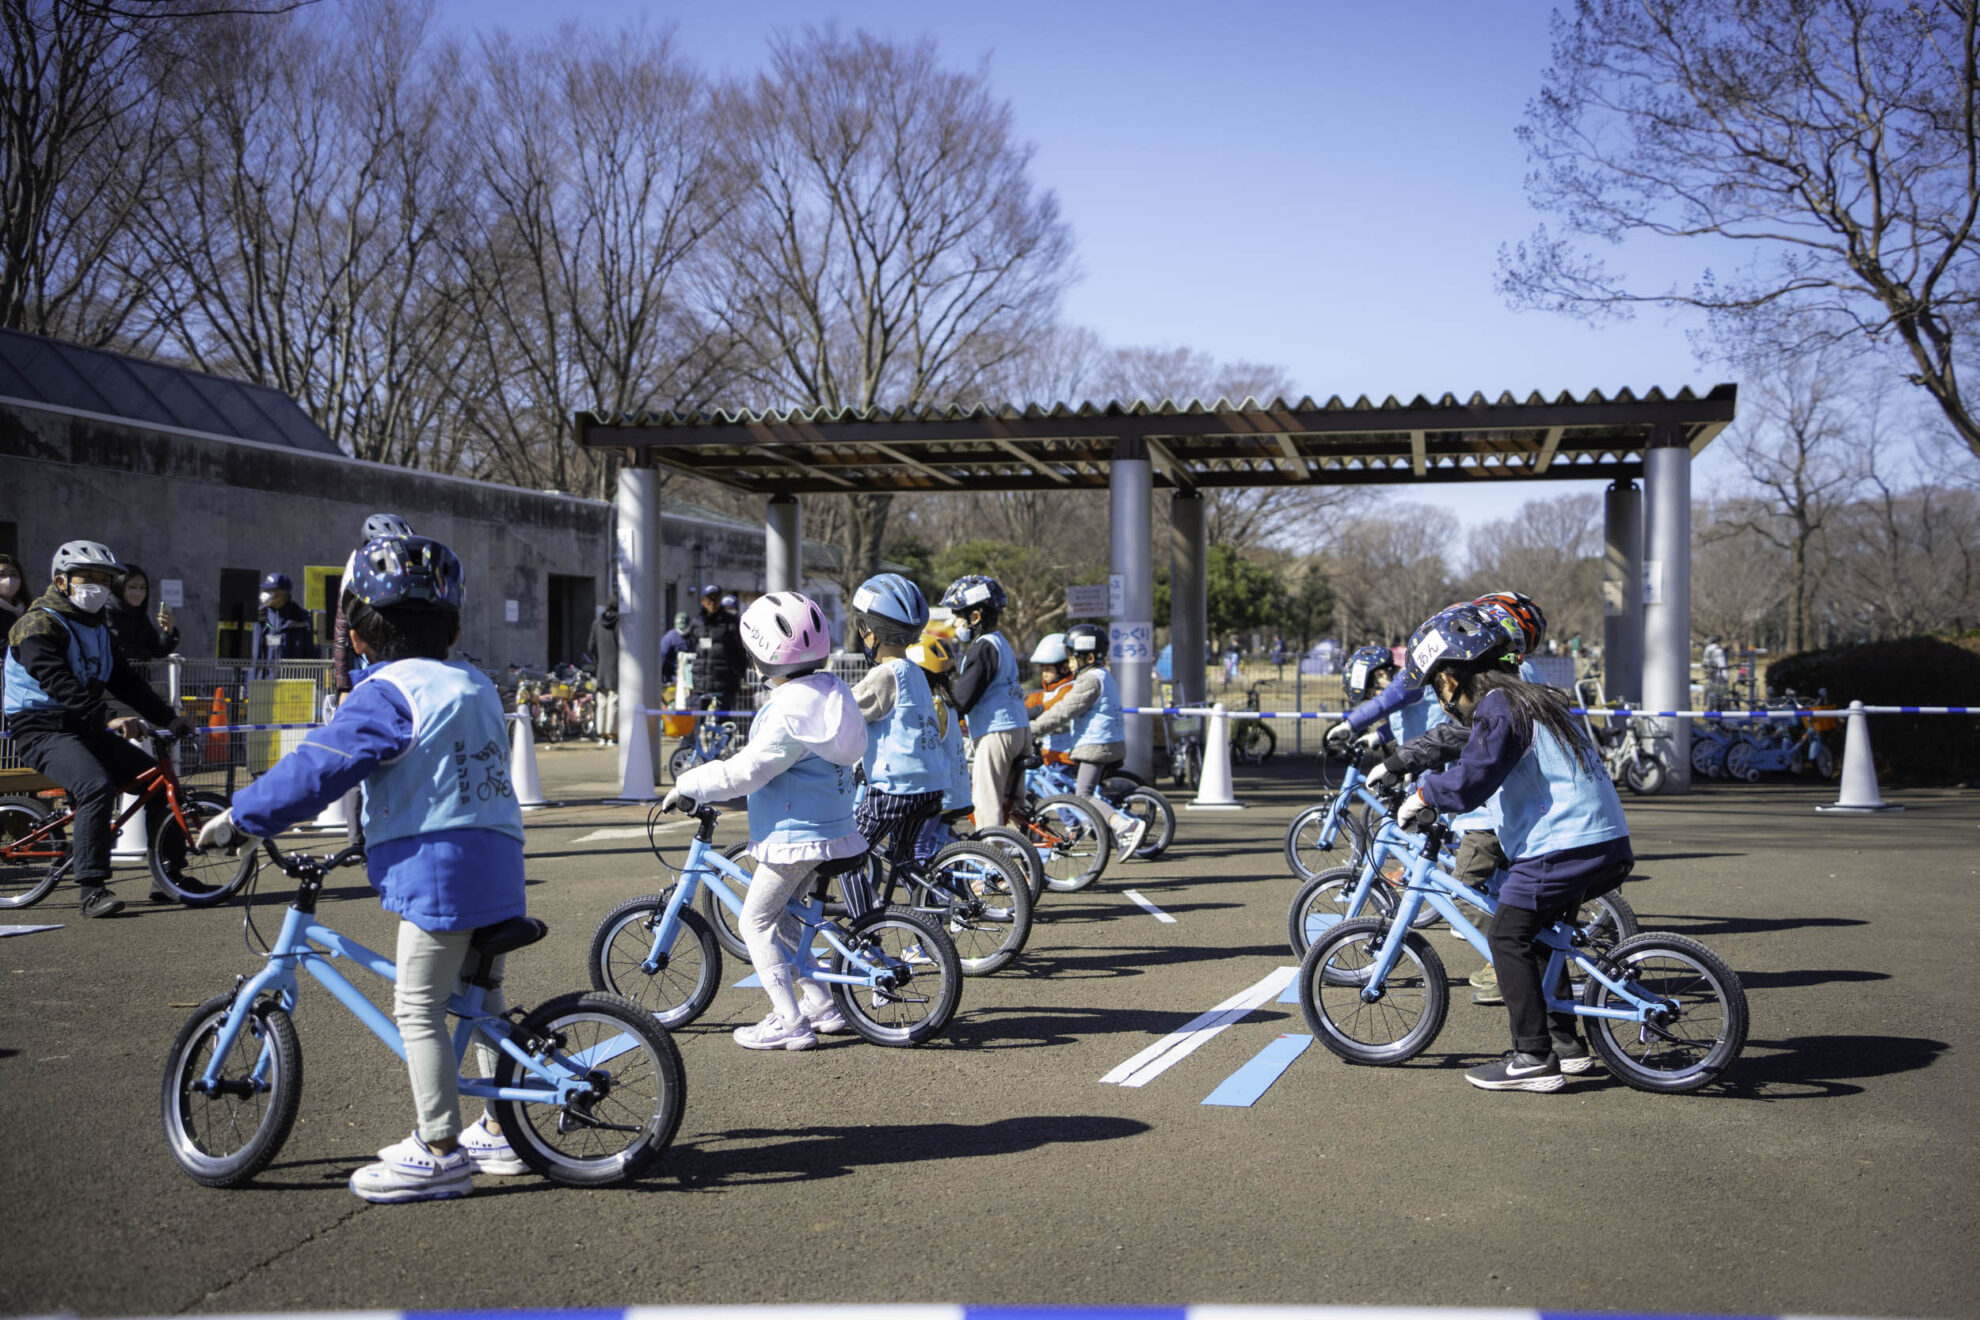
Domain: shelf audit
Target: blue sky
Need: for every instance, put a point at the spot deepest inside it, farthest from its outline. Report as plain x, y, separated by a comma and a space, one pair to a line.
1320, 185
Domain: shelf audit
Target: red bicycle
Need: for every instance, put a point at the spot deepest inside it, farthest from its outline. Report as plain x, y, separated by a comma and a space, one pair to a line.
35, 853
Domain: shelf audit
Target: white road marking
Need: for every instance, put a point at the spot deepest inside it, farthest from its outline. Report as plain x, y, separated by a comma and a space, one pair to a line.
629, 832
1178, 1045
1159, 914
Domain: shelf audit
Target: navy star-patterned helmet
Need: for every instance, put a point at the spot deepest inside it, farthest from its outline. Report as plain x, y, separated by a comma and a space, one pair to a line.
407, 570
1458, 635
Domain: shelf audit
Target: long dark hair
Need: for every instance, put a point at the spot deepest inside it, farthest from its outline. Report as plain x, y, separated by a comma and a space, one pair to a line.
1531, 704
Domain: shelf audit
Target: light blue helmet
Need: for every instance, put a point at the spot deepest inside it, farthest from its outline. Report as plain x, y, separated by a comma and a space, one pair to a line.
890, 607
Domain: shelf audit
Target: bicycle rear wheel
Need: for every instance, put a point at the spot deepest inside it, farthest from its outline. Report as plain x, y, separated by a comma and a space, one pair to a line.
1687, 1043
210, 877
1148, 804
1400, 1022
1323, 903
923, 979
1014, 846
1080, 841
223, 1139
720, 918
639, 1090
689, 974
27, 879
980, 898
1307, 857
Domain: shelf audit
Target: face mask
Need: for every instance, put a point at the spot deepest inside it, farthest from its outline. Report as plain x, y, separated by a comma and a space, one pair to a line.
267, 596
89, 597
9, 584
964, 632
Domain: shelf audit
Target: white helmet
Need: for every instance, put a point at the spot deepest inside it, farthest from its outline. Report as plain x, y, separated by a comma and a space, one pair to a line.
83, 554
1051, 650
786, 632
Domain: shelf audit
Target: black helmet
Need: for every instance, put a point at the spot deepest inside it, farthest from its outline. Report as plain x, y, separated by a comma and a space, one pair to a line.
1087, 641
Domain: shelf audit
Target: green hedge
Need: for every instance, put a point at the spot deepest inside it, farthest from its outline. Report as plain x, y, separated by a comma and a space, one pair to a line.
1910, 671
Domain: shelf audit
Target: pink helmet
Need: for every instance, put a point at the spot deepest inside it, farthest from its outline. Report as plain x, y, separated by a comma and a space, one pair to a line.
786, 632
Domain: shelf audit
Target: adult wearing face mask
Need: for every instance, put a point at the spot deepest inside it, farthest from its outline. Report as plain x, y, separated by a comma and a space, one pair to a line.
283, 630
138, 637
62, 667
14, 598
722, 662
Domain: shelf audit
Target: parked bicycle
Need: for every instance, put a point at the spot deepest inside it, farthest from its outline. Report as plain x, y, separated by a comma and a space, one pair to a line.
893, 972
713, 739
35, 847
588, 1088
1252, 741
1663, 1012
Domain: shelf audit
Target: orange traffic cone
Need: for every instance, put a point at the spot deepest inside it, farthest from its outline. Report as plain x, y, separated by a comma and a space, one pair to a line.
219, 749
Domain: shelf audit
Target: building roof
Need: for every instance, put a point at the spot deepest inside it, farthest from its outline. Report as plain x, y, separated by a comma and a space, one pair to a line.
1195, 444
36, 369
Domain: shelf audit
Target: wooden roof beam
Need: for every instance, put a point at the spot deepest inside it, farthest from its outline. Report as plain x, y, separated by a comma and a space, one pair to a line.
1419, 462
916, 464
1548, 447
1030, 461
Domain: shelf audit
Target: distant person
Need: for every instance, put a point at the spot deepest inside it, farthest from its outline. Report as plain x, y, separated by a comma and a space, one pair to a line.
1278, 651
282, 628
722, 662
138, 636
341, 655
677, 642
604, 648
14, 597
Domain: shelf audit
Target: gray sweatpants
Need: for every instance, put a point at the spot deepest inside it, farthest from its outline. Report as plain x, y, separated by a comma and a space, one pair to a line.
430, 964
990, 772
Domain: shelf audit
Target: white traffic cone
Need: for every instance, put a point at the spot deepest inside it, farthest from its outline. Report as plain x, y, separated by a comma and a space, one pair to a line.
1213, 788
131, 845
636, 777
336, 817
523, 774
1859, 772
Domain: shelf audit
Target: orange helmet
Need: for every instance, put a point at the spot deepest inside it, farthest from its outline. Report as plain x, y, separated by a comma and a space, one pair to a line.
1523, 611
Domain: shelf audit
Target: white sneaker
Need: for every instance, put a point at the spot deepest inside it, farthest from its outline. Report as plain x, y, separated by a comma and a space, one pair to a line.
1128, 837
414, 1171
773, 1033
490, 1152
826, 1020
914, 957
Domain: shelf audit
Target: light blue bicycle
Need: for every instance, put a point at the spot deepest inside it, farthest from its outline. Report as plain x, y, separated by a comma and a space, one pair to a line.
1332, 832
1663, 1012
893, 971
588, 1089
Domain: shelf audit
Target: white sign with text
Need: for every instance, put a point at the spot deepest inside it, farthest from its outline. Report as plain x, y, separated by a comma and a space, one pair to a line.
1131, 641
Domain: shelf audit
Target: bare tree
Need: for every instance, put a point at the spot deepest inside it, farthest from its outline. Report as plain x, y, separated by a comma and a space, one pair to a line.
1738, 578
1387, 572
1905, 560
1550, 550
1838, 141
890, 248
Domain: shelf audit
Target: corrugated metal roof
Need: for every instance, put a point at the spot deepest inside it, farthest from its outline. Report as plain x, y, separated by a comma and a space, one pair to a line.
37, 369
1221, 443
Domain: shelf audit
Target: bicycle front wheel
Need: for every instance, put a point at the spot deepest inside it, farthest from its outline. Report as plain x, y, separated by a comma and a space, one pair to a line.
919, 985
981, 900
637, 1090
1021, 852
1307, 852
1391, 1024
223, 1138
28, 871
689, 974
210, 877
1080, 841
1693, 1036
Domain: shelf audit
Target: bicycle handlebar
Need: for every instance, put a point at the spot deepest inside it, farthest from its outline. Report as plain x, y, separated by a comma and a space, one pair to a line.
302, 866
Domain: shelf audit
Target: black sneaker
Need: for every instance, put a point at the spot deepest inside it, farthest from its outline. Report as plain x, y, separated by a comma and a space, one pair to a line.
100, 902
1575, 1057
1517, 1071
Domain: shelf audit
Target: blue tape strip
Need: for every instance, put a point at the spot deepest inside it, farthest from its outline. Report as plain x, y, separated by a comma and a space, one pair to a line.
1242, 1088
749, 981
1290, 995
1075, 1313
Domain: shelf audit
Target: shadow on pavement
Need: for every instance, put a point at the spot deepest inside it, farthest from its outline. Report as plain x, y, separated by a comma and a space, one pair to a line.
1806, 976
1698, 928
802, 1154
1030, 1028
1815, 1067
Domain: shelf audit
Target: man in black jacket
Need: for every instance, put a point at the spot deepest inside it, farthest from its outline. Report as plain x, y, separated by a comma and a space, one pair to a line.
721, 662
604, 648
62, 667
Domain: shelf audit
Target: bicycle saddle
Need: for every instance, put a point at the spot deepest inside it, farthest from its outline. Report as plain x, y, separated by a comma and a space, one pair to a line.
1030, 761
508, 936
840, 866
958, 815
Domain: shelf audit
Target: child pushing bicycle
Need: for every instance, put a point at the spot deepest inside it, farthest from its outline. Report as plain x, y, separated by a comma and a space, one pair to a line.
796, 772
1561, 825
425, 737
62, 667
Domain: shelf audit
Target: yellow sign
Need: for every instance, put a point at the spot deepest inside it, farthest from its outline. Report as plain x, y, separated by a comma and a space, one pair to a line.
277, 701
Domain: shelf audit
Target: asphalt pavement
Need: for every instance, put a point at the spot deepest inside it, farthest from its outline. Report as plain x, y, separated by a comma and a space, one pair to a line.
1832, 1172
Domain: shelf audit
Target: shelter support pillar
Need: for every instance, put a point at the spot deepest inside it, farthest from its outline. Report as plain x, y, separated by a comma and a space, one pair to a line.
1132, 637
1667, 595
637, 556
783, 544
1189, 596
1622, 592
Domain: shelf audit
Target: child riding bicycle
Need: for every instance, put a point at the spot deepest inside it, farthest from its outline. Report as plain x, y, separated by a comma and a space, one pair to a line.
443, 834
907, 769
62, 667
988, 693
1561, 824
1091, 711
796, 772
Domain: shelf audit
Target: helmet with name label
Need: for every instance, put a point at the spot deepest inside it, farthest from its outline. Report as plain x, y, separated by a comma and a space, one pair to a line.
1459, 635
1358, 675
1087, 641
786, 632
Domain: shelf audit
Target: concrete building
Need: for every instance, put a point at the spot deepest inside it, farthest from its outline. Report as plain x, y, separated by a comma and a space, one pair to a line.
210, 483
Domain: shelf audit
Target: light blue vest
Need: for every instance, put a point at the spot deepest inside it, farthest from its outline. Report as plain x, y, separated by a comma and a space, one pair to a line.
903, 747
958, 791
1002, 704
91, 658
1102, 722
1545, 806
455, 775
1417, 718
812, 802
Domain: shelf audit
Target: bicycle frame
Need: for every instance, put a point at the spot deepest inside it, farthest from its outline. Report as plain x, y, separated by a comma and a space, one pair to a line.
703, 858
305, 944
1353, 787
160, 778
1431, 886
